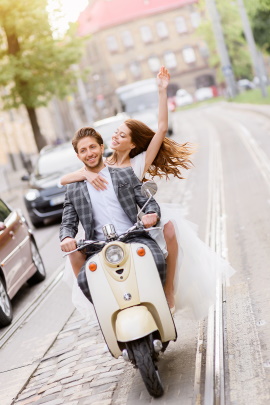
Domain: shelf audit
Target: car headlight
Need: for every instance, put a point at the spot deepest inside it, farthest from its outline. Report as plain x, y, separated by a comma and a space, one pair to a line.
114, 254
32, 195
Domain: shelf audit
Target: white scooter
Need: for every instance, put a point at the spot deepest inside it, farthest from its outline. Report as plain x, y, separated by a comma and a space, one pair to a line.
129, 299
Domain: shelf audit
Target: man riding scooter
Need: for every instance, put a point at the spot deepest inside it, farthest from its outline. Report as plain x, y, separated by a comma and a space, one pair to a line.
117, 204
120, 275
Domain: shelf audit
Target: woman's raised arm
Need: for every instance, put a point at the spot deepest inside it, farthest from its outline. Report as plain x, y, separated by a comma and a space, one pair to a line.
163, 79
73, 177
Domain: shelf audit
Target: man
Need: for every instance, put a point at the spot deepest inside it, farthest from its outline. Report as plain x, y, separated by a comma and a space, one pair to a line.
117, 204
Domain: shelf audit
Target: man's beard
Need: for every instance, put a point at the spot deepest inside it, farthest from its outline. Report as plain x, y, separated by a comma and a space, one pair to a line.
99, 163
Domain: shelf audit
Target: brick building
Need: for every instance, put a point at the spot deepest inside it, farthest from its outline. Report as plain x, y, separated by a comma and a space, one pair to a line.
130, 40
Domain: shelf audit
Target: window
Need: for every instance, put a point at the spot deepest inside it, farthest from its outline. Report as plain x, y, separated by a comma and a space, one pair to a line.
4, 211
195, 19
154, 63
189, 55
127, 39
170, 60
181, 25
204, 51
146, 34
135, 69
162, 30
119, 72
112, 44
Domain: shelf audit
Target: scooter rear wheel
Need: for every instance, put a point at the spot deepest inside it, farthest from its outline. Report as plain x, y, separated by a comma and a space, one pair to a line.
145, 363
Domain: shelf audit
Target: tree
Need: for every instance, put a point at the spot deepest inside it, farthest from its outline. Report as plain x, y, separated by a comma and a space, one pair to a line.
233, 33
260, 21
34, 65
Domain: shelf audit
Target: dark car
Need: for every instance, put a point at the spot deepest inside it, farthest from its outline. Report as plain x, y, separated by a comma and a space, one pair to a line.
20, 260
45, 197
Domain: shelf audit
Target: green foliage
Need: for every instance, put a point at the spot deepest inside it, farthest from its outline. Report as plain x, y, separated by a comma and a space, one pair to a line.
261, 24
233, 33
34, 65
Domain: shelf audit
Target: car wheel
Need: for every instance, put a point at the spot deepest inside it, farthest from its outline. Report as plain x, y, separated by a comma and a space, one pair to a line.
40, 274
6, 313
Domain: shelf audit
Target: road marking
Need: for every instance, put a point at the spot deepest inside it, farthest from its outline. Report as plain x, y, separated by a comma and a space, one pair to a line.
216, 238
256, 152
25, 313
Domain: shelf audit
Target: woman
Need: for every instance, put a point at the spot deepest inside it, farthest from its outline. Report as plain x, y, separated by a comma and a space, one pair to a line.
136, 145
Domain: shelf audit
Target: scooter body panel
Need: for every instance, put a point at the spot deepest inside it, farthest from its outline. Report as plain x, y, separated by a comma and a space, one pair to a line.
114, 290
134, 323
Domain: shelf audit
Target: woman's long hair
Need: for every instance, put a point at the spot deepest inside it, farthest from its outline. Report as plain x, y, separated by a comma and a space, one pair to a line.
171, 157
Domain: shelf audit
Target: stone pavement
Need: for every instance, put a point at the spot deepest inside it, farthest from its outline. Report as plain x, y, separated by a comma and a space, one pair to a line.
79, 370
12, 187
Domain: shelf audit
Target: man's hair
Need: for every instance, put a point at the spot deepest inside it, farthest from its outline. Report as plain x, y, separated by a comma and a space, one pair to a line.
84, 133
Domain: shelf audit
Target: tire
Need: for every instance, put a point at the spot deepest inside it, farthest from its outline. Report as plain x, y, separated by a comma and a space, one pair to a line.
6, 313
40, 274
144, 362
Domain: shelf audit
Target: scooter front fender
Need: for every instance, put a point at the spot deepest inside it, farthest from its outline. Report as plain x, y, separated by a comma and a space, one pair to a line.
134, 323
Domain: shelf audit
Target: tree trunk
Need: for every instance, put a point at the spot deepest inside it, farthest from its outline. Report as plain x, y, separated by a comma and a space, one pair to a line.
39, 138
13, 49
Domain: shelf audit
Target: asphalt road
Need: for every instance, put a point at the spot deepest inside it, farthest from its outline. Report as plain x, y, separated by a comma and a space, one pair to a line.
238, 139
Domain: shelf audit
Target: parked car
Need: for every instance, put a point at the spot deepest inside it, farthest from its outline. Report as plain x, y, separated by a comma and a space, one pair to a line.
20, 260
204, 93
171, 103
245, 84
106, 128
45, 197
183, 98
256, 80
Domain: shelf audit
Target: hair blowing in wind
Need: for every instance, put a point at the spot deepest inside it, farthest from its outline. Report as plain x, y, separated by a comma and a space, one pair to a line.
171, 157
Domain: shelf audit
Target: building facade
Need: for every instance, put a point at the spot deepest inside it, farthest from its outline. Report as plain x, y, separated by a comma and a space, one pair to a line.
129, 41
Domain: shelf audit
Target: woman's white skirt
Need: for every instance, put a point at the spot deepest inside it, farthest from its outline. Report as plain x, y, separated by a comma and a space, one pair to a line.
197, 271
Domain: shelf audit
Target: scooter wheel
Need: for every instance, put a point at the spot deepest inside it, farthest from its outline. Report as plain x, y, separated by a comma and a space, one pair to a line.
147, 367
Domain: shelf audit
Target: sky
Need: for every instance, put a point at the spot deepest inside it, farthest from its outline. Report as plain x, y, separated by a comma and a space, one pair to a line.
70, 11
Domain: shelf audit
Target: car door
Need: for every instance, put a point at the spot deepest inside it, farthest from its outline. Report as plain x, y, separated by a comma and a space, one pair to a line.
11, 257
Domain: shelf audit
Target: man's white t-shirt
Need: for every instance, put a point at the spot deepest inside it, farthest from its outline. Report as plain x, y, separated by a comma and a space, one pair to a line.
106, 208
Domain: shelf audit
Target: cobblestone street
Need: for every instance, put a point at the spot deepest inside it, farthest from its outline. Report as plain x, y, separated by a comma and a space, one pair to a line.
79, 370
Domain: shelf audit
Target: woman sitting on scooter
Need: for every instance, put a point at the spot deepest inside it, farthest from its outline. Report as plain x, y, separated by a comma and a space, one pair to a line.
136, 145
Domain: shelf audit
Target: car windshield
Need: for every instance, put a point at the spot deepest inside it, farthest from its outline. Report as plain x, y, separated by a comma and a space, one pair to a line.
106, 130
140, 102
59, 160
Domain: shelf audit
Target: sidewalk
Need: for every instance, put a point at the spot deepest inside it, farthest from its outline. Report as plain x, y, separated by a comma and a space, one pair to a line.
79, 370
12, 187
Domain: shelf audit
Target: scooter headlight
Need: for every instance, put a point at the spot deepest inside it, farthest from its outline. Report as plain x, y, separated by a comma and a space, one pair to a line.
114, 254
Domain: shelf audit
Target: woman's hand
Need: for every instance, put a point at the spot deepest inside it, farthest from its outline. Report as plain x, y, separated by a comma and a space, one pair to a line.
96, 180
163, 78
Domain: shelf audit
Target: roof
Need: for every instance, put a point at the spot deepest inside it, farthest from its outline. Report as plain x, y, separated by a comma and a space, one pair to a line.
102, 14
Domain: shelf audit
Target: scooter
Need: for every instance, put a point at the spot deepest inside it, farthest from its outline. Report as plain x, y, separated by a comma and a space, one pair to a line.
129, 299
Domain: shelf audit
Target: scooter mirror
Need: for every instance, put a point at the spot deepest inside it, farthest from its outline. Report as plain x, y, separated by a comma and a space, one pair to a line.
149, 188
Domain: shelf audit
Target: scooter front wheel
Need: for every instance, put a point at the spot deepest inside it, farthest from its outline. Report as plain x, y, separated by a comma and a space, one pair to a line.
146, 365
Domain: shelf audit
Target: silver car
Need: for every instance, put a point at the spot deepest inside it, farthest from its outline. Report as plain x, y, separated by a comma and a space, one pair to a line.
20, 260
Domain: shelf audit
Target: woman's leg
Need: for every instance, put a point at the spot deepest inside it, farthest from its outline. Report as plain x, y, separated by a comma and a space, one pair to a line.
77, 260
172, 248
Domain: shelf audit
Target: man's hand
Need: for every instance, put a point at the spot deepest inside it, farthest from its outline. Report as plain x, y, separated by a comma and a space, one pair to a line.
149, 220
68, 244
